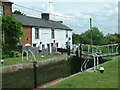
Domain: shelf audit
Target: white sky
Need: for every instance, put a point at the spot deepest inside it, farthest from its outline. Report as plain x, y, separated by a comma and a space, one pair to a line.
103, 12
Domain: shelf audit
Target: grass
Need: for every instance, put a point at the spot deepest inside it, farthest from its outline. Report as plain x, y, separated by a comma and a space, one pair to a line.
109, 57
12, 61
109, 79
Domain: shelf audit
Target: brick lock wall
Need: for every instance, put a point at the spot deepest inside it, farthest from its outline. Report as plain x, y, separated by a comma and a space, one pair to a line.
27, 38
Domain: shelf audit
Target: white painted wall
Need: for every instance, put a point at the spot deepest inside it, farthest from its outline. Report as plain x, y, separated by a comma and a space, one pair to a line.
46, 38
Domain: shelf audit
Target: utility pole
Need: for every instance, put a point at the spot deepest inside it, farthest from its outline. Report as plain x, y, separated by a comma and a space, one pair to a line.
91, 33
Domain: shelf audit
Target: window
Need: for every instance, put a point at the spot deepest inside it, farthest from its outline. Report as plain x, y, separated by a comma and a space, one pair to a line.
53, 34
34, 45
1, 10
36, 33
43, 46
51, 44
57, 44
66, 34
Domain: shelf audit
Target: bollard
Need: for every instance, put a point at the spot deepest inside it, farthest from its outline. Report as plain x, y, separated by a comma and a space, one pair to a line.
35, 73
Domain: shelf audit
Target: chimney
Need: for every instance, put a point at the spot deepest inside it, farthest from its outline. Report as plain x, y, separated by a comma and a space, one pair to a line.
60, 21
45, 16
7, 5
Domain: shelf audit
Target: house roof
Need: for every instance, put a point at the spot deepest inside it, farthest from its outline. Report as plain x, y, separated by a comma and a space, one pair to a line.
38, 22
6, 1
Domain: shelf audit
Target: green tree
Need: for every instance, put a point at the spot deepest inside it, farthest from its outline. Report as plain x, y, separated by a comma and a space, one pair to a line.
75, 38
19, 12
97, 36
85, 37
113, 38
13, 30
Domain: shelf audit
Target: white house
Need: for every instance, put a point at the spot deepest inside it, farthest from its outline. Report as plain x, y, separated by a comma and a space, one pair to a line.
44, 30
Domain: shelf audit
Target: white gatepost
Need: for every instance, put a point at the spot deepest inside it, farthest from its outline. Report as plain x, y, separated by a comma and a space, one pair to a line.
108, 49
97, 62
94, 63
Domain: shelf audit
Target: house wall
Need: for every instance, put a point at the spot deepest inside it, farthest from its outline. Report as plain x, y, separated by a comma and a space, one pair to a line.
46, 38
60, 36
27, 38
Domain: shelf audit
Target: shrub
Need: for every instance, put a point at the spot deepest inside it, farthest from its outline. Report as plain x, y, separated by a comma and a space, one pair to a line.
17, 54
5, 55
13, 30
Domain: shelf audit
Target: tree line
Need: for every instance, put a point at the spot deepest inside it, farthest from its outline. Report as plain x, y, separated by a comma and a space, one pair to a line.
98, 37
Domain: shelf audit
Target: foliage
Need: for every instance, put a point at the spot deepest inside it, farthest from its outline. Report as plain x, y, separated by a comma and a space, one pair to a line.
75, 38
113, 38
13, 30
85, 37
97, 37
19, 12
11, 54
17, 54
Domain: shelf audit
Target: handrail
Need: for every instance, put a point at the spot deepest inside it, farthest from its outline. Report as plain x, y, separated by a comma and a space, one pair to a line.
84, 64
22, 54
28, 55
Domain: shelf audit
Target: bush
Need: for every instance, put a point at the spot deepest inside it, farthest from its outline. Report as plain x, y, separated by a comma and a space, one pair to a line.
13, 30
17, 54
11, 54
5, 56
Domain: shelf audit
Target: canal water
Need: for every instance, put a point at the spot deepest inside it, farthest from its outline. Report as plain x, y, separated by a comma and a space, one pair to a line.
46, 73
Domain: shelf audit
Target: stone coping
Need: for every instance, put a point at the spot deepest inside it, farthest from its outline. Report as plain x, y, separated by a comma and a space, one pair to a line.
16, 67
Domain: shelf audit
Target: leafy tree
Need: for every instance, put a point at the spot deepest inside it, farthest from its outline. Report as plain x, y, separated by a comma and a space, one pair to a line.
113, 38
75, 38
97, 36
19, 12
13, 30
85, 37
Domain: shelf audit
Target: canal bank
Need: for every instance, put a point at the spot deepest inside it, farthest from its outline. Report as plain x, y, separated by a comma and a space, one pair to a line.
21, 66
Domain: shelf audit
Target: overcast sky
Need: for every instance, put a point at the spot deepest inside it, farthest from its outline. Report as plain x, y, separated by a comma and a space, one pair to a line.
76, 12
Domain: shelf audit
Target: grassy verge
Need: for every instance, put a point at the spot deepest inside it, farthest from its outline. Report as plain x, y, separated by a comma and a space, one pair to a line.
12, 61
109, 79
109, 57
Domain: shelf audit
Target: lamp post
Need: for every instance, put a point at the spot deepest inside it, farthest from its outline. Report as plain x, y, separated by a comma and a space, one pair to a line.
91, 33
101, 71
35, 73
